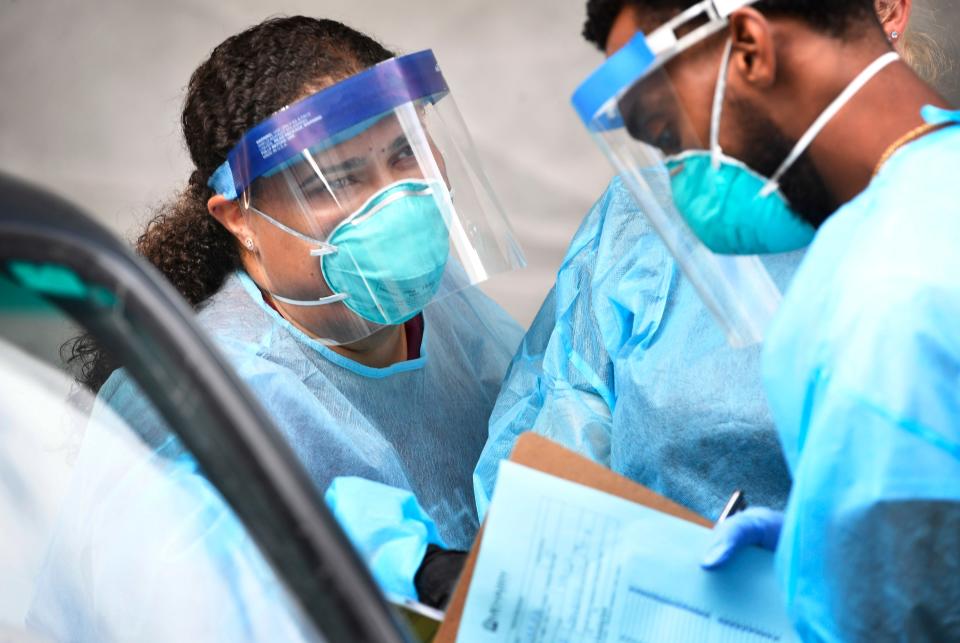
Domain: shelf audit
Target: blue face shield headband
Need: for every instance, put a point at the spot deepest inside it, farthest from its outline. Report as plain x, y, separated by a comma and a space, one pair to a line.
328, 117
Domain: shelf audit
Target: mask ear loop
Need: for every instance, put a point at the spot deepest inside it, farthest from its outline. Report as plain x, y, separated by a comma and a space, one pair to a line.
324, 249
828, 114
715, 151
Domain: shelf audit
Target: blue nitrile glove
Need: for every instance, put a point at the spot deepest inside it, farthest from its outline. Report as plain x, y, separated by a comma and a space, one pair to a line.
387, 527
756, 526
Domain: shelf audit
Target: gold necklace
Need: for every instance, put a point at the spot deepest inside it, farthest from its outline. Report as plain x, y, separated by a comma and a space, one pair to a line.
909, 137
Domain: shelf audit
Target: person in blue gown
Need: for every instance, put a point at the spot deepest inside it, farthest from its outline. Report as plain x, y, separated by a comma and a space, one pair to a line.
625, 365
333, 281
861, 364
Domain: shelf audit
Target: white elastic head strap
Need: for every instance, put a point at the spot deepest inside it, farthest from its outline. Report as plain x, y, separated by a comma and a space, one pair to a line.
719, 93
309, 303
323, 248
828, 114
666, 44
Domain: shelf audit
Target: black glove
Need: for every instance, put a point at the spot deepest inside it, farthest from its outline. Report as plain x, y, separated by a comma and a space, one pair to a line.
438, 575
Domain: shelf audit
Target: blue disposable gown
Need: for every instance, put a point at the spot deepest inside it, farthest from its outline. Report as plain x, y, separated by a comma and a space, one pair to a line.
417, 426
862, 369
146, 550
625, 365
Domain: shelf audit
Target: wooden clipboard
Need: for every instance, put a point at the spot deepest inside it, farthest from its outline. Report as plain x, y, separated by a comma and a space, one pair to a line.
539, 453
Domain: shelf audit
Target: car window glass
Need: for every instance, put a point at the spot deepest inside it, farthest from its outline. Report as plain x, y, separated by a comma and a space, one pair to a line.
111, 532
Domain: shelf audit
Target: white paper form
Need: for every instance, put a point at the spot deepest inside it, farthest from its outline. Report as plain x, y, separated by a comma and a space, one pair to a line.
562, 562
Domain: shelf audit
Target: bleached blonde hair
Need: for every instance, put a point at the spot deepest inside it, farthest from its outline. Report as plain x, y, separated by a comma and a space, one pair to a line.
918, 46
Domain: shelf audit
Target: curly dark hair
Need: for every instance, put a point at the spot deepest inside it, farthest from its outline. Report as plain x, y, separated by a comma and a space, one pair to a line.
834, 16
247, 78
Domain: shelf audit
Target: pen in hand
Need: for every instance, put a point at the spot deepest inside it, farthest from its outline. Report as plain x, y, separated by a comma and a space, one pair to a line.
736, 504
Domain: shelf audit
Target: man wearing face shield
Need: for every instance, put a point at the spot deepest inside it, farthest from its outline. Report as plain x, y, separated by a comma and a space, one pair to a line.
625, 364
815, 128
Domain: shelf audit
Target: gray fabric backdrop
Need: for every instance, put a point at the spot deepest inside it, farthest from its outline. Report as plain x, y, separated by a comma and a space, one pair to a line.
91, 93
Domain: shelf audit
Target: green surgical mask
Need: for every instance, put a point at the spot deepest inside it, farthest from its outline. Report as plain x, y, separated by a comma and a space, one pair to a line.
385, 261
733, 209
723, 203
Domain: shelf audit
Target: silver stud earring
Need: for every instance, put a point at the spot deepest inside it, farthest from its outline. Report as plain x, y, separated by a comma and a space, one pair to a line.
248, 243
894, 35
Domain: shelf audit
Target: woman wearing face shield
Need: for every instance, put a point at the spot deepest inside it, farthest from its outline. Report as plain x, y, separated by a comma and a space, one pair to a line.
330, 237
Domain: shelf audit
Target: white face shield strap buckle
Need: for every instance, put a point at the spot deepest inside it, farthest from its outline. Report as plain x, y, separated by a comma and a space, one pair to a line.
665, 42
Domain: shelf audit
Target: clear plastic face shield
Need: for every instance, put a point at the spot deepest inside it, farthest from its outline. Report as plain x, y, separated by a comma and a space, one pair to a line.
367, 202
632, 110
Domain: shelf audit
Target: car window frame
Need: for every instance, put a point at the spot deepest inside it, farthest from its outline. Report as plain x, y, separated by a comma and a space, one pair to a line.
238, 448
